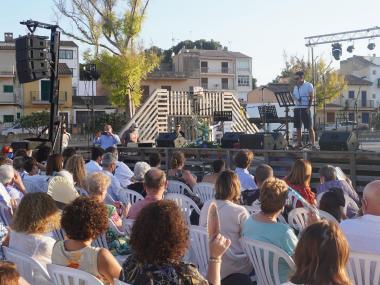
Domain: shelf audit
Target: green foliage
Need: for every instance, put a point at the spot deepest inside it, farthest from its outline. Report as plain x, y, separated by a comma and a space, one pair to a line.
254, 83
116, 120
375, 122
328, 82
34, 122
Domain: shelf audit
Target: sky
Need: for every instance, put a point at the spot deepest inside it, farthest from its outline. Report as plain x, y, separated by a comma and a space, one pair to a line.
262, 29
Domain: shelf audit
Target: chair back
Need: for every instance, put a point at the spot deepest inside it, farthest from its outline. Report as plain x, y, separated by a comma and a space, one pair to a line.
205, 191
350, 202
293, 200
129, 196
364, 268
297, 219
128, 225
199, 247
327, 216
100, 241
265, 258
112, 225
59, 234
30, 269
5, 214
186, 205
178, 187
109, 200
62, 275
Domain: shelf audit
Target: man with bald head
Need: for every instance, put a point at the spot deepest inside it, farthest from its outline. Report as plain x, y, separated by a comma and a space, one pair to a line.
363, 234
154, 185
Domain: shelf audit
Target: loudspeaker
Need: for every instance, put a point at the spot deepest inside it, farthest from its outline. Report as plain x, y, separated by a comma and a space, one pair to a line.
231, 139
257, 141
338, 140
170, 140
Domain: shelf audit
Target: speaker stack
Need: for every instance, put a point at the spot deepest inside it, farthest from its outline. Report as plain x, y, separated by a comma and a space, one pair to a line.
254, 141
170, 140
231, 139
338, 141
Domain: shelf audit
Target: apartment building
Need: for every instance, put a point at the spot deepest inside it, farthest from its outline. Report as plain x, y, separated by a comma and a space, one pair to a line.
69, 54
214, 70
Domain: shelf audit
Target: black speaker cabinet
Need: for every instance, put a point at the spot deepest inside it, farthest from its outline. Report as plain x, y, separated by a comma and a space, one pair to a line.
338, 140
169, 140
257, 141
231, 139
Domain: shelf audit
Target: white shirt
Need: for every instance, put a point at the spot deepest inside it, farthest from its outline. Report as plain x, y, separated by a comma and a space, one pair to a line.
115, 186
92, 166
123, 173
301, 94
247, 180
363, 233
35, 183
5, 198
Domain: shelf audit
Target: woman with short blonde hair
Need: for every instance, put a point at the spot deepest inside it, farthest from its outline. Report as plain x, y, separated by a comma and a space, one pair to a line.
76, 166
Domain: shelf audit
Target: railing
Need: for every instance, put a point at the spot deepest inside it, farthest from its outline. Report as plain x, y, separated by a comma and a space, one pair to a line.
7, 97
35, 97
222, 70
350, 103
7, 73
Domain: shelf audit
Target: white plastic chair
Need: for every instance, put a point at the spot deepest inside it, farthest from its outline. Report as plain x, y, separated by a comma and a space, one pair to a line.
327, 216
59, 234
297, 218
281, 219
63, 275
265, 258
118, 282
128, 224
30, 269
178, 187
5, 214
199, 247
294, 200
129, 196
252, 209
351, 202
100, 241
109, 200
186, 205
113, 226
364, 268
205, 191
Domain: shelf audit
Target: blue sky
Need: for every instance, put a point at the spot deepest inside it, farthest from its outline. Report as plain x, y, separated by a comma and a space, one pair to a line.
258, 28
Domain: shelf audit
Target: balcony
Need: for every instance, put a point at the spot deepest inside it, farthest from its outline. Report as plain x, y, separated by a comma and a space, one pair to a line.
222, 70
7, 73
350, 104
7, 98
35, 98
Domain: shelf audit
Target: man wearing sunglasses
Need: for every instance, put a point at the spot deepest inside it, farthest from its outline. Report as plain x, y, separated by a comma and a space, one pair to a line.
303, 95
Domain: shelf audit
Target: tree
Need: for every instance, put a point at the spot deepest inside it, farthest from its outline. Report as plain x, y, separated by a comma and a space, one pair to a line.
121, 62
328, 84
35, 122
116, 120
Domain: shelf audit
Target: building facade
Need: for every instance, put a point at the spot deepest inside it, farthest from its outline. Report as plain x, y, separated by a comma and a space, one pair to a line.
69, 54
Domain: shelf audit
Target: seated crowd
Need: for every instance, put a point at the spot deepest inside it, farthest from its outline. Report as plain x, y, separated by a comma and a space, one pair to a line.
47, 195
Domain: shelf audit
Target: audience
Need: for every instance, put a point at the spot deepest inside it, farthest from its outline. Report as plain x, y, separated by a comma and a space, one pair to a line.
155, 185
98, 184
109, 166
263, 172
217, 166
67, 153
36, 216
122, 172
96, 159
321, 256
12, 182
176, 171
9, 274
264, 226
54, 164
141, 168
160, 262
363, 234
76, 166
155, 160
243, 161
299, 179
83, 221
333, 202
30, 166
232, 218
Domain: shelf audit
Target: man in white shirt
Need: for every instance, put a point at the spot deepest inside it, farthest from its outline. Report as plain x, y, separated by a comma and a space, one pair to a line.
303, 95
122, 171
363, 234
109, 166
243, 160
96, 158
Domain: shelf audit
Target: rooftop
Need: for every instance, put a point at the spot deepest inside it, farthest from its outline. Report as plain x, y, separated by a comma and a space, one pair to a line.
354, 80
63, 69
215, 53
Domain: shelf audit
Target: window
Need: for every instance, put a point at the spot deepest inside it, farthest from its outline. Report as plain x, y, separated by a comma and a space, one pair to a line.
75, 90
204, 66
45, 90
351, 116
9, 118
65, 54
18, 115
351, 94
243, 65
374, 72
8, 88
374, 96
378, 82
224, 67
224, 83
204, 83
243, 80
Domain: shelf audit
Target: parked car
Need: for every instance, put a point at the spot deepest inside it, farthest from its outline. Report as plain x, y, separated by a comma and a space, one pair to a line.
16, 129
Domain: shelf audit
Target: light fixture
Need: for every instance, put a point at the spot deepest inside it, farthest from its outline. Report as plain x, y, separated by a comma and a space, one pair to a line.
350, 48
371, 46
336, 50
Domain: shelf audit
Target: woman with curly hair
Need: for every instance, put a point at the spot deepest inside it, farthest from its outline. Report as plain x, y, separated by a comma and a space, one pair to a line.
83, 221
232, 218
159, 241
321, 256
176, 171
299, 179
76, 166
35, 217
9, 274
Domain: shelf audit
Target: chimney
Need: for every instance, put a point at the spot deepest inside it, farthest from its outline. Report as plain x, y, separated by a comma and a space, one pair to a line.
8, 37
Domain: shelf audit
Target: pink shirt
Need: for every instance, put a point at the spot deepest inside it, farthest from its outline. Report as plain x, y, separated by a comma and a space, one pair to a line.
138, 206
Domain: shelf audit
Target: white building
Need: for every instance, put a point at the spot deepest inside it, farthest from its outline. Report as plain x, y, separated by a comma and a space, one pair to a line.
69, 54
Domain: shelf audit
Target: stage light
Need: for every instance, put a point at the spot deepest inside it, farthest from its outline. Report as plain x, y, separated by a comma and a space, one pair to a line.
350, 48
336, 50
371, 46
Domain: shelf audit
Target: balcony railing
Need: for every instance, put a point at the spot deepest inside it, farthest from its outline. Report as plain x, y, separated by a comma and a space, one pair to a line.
7, 73
350, 103
222, 70
35, 97
7, 98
